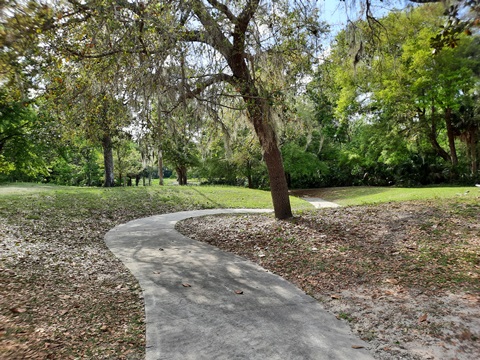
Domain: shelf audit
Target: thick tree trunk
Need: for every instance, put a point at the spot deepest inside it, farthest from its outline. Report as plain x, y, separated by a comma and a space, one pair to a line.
451, 136
258, 107
181, 175
259, 114
108, 160
278, 183
432, 135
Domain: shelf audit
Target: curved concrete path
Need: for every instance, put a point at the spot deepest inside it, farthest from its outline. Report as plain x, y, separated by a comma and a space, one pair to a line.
203, 303
320, 203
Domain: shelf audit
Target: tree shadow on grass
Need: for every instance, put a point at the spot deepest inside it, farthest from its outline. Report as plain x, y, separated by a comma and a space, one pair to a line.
339, 193
218, 205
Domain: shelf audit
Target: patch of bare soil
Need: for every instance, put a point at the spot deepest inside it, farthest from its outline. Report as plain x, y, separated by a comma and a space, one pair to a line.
405, 276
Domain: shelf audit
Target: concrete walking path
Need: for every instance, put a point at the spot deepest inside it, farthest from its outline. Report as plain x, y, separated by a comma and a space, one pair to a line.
203, 303
319, 203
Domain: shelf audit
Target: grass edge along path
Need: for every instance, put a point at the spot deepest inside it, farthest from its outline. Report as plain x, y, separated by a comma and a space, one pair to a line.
364, 195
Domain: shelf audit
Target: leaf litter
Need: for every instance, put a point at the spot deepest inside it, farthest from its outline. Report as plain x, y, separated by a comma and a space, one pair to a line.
63, 294
405, 276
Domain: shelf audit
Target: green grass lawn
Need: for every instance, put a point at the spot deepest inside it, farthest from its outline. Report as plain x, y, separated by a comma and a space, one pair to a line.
372, 195
208, 197
176, 197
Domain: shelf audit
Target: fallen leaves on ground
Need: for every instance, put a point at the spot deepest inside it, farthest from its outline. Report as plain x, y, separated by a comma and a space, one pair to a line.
63, 294
382, 268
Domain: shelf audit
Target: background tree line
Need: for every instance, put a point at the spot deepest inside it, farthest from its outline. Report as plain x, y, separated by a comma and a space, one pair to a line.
99, 93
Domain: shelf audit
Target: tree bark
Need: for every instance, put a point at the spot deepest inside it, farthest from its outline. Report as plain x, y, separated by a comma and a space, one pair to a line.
474, 154
258, 107
108, 160
181, 175
451, 136
289, 179
160, 167
471, 139
259, 114
249, 175
432, 135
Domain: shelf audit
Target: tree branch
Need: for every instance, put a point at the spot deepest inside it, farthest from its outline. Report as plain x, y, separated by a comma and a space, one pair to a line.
197, 36
247, 14
224, 10
202, 85
102, 55
236, 60
217, 39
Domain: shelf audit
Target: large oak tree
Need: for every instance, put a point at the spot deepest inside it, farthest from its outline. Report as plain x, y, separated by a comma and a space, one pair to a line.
243, 44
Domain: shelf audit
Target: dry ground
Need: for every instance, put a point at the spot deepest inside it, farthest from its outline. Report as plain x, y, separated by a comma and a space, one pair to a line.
406, 276
63, 294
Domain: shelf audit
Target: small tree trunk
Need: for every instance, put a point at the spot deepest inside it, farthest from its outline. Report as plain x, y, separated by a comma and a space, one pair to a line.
474, 163
451, 136
181, 175
249, 175
250, 181
160, 167
472, 144
108, 160
289, 179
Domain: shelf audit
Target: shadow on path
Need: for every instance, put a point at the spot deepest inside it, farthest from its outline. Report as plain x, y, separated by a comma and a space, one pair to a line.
203, 303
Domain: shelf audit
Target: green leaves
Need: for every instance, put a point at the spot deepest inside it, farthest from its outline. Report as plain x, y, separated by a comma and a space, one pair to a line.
397, 102
21, 143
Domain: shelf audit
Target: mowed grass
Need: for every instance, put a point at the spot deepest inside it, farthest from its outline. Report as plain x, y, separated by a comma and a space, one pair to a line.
178, 198
363, 195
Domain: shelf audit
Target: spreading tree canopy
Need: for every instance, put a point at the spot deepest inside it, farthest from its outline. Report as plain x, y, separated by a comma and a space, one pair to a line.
256, 50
